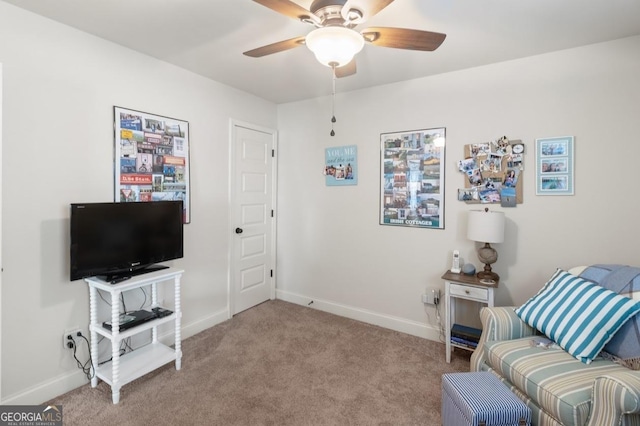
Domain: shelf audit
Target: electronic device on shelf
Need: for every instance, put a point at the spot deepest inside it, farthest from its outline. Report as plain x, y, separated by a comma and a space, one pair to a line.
116, 241
132, 319
161, 312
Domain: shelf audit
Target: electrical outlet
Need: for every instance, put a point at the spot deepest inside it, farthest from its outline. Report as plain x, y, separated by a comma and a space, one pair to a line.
69, 336
431, 296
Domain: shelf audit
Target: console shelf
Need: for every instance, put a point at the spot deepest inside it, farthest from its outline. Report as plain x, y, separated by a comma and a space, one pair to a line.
136, 364
123, 369
134, 330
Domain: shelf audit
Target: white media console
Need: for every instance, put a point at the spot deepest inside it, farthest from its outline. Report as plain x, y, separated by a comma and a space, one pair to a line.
123, 369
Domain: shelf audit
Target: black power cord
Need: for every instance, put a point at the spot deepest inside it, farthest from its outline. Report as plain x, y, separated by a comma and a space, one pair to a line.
87, 367
125, 346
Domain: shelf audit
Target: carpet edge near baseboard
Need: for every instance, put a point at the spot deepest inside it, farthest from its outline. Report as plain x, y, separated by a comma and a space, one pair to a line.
402, 325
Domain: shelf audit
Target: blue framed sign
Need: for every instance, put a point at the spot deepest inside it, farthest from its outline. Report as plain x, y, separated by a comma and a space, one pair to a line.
341, 165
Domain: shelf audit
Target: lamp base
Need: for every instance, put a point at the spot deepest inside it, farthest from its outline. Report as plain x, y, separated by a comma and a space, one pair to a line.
488, 276
487, 255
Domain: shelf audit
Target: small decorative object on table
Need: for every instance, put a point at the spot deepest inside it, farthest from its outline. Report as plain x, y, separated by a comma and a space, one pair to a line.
468, 269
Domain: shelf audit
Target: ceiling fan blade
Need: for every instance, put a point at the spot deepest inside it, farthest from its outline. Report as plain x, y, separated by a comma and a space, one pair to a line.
346, 70
290, 9
275, 47
403, 38
376, 6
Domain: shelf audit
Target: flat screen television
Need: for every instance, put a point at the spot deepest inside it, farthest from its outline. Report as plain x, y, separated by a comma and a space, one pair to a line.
115, 241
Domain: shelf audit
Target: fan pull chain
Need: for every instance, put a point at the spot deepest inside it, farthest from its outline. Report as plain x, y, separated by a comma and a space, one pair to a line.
333, 99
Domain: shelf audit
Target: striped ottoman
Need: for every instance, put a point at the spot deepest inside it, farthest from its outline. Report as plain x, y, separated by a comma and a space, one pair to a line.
480, 399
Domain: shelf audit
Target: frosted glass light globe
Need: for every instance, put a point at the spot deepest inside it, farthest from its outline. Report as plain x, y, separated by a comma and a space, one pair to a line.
334, 45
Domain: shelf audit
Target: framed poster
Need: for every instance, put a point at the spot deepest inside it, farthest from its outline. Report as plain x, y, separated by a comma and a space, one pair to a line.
412, 178
341, 165
151, 158
554, 166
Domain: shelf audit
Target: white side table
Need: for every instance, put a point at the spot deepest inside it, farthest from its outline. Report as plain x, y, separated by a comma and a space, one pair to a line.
467, 287
123, 369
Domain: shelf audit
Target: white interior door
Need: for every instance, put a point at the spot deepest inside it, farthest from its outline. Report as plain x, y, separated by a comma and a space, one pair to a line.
252, 275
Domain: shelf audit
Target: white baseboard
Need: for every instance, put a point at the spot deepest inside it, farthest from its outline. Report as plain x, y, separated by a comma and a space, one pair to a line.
50, 389
196, 327
402, 325
47, 390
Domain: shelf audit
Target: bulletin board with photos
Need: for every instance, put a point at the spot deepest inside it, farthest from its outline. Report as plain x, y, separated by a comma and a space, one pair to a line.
492, 172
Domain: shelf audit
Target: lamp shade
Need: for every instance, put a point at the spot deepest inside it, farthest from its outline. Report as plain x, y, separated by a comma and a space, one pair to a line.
334, 45
485, 226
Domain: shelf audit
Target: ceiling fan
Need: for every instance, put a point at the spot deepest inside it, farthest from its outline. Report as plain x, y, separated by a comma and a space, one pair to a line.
334, 41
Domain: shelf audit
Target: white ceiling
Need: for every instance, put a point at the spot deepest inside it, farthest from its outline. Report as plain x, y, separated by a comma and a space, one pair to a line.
209, 36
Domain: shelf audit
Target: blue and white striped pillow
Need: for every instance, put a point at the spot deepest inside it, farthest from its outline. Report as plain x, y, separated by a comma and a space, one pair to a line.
577, 314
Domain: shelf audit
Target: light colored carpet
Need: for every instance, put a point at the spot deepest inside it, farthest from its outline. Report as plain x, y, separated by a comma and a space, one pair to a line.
281, 364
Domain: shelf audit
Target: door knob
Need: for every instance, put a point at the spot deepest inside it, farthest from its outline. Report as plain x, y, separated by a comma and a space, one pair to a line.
238, 230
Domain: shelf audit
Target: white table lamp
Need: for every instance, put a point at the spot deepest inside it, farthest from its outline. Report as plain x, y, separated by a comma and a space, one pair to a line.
486, 227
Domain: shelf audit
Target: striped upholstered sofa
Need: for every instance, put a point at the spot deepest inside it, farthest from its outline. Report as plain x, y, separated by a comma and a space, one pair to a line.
559, 389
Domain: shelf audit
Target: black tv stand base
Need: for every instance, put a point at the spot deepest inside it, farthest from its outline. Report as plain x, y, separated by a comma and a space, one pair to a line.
123, 276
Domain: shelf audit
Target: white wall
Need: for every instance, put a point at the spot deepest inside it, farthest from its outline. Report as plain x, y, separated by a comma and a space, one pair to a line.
60, 86
332, 249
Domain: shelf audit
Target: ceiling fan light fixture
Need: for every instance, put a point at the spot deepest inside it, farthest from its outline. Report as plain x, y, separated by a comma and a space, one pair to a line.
334, 45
